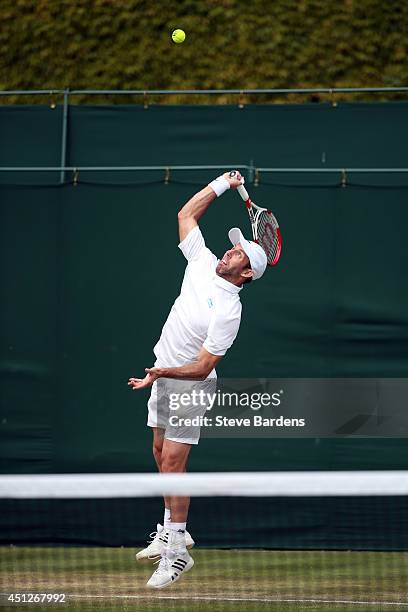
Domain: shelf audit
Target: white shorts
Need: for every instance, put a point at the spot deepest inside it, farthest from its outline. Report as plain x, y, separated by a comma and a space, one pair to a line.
177, 405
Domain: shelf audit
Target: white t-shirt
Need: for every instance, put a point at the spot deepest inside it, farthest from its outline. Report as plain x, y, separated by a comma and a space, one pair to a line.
206, 313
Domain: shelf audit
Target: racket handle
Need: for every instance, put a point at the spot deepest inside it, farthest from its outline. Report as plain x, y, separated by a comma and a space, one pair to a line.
241, 189
243, 193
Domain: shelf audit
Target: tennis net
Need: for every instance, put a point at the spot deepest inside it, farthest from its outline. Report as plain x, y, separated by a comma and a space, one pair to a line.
284, 540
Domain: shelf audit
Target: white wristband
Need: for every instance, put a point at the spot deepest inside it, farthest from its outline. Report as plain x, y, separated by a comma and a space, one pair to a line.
219, 185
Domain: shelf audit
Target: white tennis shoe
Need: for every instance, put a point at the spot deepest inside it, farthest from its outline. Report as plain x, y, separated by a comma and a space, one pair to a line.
172, 565
157, 544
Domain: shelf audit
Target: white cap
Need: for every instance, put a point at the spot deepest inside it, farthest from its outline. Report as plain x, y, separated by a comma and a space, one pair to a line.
256, 254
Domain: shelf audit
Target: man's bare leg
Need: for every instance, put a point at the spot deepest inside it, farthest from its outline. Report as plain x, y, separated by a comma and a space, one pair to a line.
158, 439
175, 557
174, 457
162, 535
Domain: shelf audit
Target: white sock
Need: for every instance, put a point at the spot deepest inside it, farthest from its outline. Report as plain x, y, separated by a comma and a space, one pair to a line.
177, 537
166, 520
178, 526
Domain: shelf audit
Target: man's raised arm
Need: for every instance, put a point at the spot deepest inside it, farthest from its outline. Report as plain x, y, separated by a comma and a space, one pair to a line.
194, 209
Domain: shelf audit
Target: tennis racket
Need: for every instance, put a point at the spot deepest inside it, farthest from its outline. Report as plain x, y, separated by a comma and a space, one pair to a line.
265, 228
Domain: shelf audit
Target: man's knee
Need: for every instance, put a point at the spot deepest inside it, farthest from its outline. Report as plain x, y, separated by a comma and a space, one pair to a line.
157, 452
158, 439
173, 461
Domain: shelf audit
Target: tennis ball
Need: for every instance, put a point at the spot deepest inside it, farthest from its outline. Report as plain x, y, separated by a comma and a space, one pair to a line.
178, 36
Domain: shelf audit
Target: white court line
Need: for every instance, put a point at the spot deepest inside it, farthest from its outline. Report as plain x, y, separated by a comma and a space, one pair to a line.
257, 599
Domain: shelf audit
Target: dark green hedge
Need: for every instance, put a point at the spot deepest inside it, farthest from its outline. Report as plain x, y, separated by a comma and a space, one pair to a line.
109, 44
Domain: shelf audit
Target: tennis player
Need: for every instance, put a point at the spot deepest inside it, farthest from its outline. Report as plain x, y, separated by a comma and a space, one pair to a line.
201, 327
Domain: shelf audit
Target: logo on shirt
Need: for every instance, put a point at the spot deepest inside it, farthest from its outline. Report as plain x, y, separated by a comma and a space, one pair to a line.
210, 303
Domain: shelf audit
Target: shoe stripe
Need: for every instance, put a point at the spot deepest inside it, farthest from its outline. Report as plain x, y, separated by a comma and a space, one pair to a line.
178, 560
178, 565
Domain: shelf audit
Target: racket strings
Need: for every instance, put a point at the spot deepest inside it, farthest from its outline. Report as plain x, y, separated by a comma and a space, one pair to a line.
268, 235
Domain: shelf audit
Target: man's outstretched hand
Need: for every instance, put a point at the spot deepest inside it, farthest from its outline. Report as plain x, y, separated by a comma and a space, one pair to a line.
141, 383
